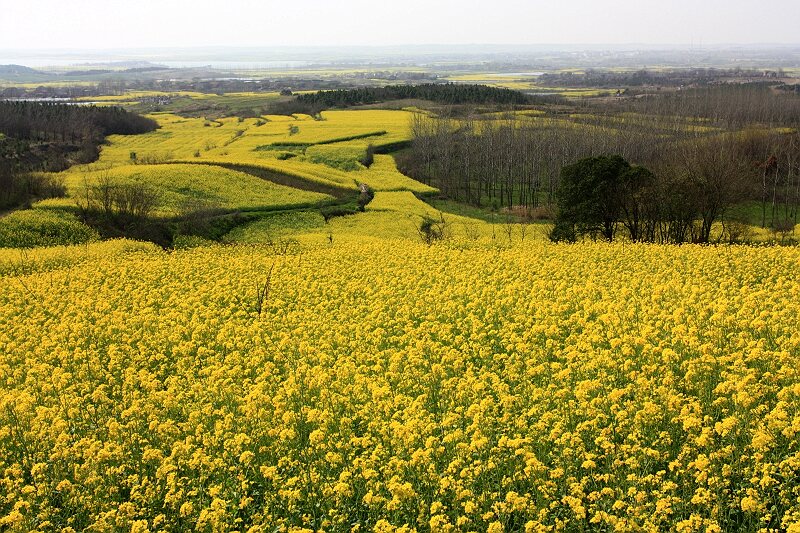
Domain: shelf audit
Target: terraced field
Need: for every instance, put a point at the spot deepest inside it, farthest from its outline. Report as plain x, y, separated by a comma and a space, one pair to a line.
322, 150
265, 164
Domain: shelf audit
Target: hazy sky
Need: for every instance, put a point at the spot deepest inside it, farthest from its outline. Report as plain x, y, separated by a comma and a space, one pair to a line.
146, 23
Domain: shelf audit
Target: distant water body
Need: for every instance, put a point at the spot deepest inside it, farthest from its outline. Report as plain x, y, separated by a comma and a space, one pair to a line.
83, 62
236, 65
67, 101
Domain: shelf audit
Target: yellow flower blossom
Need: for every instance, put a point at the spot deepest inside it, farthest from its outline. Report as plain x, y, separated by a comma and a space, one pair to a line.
395, 386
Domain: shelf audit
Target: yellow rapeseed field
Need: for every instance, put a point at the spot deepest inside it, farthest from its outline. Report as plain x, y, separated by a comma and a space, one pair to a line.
392, 386
326, 150
232, 138
347, 377
182, 186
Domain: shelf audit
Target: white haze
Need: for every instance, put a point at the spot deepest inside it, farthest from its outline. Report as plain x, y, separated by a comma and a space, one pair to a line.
104, 24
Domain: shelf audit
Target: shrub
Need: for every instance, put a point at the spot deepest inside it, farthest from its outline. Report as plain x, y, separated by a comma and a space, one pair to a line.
736, 231
341, 210
119, 200
563, 232
433, 229
369, 156
19, 189
784, 228
366, 196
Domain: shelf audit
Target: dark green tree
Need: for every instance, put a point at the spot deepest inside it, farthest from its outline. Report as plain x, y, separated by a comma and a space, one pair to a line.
596, 194
638, 203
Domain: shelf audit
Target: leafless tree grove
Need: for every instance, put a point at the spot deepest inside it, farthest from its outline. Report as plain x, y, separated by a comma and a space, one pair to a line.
709, 150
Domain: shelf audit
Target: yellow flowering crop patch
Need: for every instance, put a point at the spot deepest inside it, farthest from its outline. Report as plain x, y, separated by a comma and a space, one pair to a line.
182, 187
383, 175
336, 144
43, 227
389, 385
18, 261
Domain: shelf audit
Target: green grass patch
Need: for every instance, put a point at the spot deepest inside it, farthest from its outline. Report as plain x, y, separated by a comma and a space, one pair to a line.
284, 146
270, 228
288, 145
345, 157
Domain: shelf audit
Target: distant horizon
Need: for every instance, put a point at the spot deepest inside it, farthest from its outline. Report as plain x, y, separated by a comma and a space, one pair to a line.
117, 24
632, 46
424, 56
286, 55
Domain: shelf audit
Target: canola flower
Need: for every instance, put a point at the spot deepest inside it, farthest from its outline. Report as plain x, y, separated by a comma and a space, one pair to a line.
232, 139
392, 386
186, 186
43, 227
337, 142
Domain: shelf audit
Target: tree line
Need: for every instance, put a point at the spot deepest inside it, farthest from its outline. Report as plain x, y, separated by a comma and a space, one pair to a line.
17, 185
49, 137
729, 106
703, 154
38, 121
441, 93
173, 83
680, 202
661, 78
